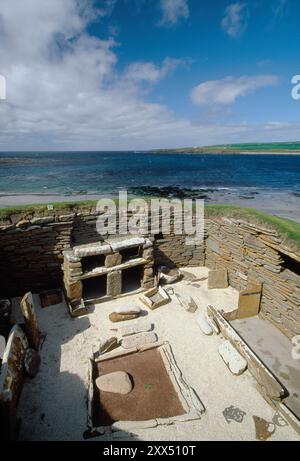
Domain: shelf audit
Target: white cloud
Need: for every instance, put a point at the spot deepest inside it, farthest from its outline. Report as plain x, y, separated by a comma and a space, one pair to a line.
151, 73
64, 91
174, 10
227, 90
235, 19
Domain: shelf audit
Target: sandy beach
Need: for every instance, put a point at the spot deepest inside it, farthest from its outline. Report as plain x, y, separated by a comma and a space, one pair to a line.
281, 203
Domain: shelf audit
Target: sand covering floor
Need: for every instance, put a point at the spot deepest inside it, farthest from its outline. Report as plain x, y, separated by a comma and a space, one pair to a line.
53, 404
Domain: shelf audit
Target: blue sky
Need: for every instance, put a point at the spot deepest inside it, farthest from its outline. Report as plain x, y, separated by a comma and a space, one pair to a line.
142, 74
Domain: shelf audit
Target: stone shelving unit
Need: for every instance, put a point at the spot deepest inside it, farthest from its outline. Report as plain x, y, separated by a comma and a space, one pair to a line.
105, 264
253, 253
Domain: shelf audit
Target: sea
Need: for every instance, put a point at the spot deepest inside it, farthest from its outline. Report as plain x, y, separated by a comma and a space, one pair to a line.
105, 173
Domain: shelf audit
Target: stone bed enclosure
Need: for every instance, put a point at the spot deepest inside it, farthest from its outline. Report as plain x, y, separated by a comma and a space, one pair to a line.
32, 246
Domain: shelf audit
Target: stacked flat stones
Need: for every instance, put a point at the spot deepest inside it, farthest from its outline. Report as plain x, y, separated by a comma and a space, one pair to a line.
254, 253
32, 245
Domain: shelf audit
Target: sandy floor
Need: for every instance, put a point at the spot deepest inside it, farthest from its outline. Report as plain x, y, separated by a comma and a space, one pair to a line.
53, 405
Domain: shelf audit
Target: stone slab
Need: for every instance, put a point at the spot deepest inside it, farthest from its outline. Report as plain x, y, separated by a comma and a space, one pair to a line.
272, 388
112, 260
114, 283
234, 361
203, 324
187, 302
217, 279
249, 301
139, 340
135, 328
31, 325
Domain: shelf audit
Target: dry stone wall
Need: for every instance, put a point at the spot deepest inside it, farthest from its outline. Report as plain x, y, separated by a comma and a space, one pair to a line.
31, 248
31, 256
253, 253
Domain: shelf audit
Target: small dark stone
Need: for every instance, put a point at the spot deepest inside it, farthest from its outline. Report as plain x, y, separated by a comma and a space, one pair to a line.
32, 362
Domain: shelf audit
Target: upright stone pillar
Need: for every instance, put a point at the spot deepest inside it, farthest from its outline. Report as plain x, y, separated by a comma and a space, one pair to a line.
114, 283
31, 325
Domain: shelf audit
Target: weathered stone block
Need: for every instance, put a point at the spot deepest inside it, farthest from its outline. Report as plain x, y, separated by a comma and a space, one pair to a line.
139, 340
31, 325
249, 301
114, 283
11, 381
218, 279
113, 260
74, 290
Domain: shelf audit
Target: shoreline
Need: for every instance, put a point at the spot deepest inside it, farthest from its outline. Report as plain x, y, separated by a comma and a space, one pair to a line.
189, 150
277, 203
221, 152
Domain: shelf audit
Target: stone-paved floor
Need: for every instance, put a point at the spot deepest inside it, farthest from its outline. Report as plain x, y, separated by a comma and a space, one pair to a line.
275, 350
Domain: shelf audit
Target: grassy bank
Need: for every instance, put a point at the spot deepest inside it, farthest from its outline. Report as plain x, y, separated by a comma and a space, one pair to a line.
289, 229
247, 148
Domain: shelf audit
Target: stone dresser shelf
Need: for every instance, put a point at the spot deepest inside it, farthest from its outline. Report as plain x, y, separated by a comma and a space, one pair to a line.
104, 270
108, 269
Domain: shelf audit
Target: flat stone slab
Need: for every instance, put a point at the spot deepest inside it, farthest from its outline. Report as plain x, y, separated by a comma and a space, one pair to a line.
118, 382
187, 302
217, 279
118, 245
139, 340
135, 328
249, 301
91, 250
235, 362
109, 345
204, 325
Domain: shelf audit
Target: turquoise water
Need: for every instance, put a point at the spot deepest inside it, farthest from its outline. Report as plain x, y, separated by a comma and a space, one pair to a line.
71, 173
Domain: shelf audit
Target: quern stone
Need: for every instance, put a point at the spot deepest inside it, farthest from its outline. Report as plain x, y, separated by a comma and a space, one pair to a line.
118, 382
235, 362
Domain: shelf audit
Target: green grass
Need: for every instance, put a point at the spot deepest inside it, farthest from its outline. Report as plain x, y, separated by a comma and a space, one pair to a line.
274, 147
41, 209
288, 229
267, 147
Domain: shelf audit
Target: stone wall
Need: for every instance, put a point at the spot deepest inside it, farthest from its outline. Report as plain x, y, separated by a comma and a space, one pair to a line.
253, 253
31, 257
31, 248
